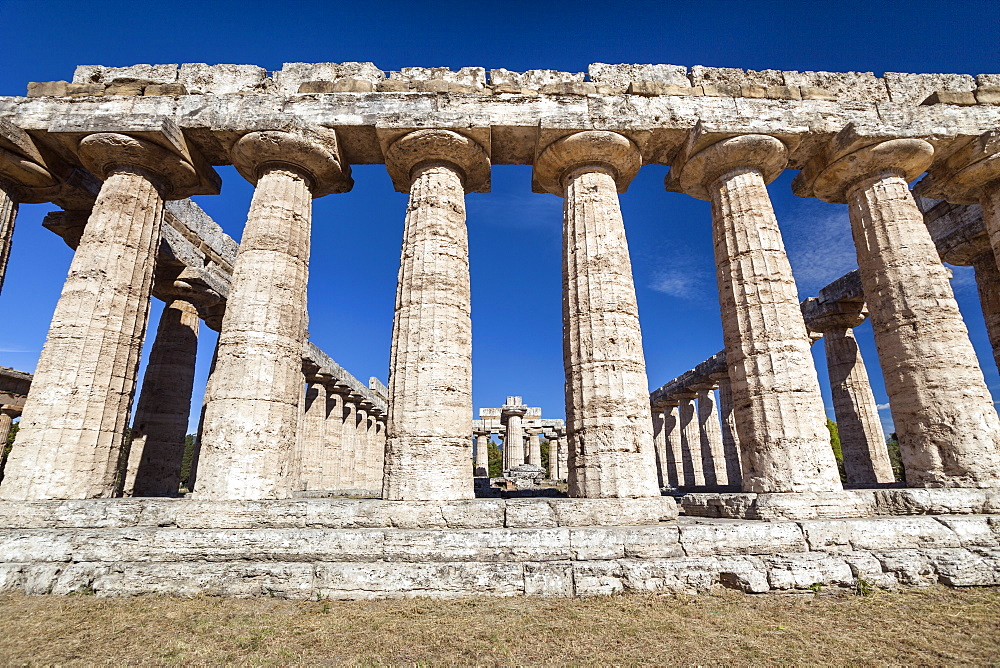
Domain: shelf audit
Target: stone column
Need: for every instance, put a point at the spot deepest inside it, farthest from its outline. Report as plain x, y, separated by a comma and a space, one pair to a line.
252, 411
948, 429
785, 445
8, 213
362, 454
713, 457
311, 454
988, 284
513, 451
730, 445
674, 446
6, 420
611, 452
534, 448
333, 434
377, 437
690, 441
161, 416
78, 406
866, 457
482, 465
430, 378
349, 445
660, 443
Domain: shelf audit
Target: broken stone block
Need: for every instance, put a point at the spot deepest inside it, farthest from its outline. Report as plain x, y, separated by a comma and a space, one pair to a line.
963, 98
721, 90
783, 93
440, 86
650, 88
735, 77
393, 86
817, 93
204, 79
571, 88
988, 95
470, 76
165, 89
860, 86
915, 88
531, 78
125, 88
622, 75
292, 75
101, 74
84, 90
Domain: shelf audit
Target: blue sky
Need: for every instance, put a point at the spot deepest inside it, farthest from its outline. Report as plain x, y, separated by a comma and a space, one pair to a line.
514, 233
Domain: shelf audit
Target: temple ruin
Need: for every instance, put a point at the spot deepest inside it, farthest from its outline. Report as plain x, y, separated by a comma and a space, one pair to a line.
754, 499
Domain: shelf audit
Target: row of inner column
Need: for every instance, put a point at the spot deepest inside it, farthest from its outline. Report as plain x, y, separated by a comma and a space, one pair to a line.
79, 402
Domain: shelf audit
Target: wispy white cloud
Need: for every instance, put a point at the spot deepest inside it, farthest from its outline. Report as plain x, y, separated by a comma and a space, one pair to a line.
882, 407
17, 350
684, 277
819, 247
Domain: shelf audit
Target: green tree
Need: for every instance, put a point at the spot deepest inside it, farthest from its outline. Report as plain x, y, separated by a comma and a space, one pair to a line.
895, 457
496, 460
838, 452
545, 453
187, 460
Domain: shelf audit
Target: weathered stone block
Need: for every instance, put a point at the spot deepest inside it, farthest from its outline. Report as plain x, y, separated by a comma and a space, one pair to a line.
513, 81
963, 97
650, 88
942, 501
204, 79
291, 75
569, 88
339, 580
529, 513
126, 88
783, 93
165, 89
393, 86
550, 578
721, 90
439, 86
989, 95
801, 571
735, 77
875, 533
470, 76
817, 93
590, 543
741, 538
614, 512
915, 88
622, 75
477, 546
166, 73
860, 86
47, 88
84, 90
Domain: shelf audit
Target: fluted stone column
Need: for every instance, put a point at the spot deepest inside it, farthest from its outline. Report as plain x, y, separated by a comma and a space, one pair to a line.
333, 434
482, 464
776, 396
660, 444
988, 284
713, 456
690, 440
862, 441
948, 429
362, 454
196, 455
311, 452
349, 445
534, 448
8, 214
78, 406
161, 416
674, 445
6, 420
513, 451
727, 421
563, 454
252, 411
611, 452
377, 438
430, 378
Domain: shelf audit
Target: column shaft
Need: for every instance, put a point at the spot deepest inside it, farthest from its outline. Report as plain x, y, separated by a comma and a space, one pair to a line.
866, 457
694, 472
776, 397
734, 472
349, 446
675, 447
944, 416
311, 455
482, 465
713, 455
563, 453
430, 383
8, 214
161, 415
534, 449
988, 284
514, 443
77, 409
333, 436
660, 443
362, 462
252, 412
611, 450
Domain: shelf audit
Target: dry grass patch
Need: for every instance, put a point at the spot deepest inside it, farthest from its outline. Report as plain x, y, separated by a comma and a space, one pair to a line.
929, 626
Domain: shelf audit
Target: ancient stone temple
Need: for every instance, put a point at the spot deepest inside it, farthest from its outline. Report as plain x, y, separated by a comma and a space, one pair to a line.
722, 477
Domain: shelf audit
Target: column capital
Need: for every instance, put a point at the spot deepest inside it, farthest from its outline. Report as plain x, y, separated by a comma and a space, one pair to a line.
705, 157
313, 152
826, 317
851, 158
964, 176
176, 177
416, 149
594, 149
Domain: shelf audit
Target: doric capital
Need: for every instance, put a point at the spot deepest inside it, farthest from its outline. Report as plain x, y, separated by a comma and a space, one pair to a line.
434, 146
967, 172
825, 317
312, 152
104, 153
21, 175
587, 150
851, 158
700, 164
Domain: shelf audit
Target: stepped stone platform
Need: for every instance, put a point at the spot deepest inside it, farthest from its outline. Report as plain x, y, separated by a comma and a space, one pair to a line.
365, 549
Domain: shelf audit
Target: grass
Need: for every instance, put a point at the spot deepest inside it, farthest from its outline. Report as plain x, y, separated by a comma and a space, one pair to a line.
916, 627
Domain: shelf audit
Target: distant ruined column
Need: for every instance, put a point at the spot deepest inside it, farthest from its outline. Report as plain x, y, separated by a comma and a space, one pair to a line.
785, 446
713, 456
430, 378
333, 436
513, 450
674, 445
349, 445
988, 285
482, 465
8, 214
660, 444
611, 452
730, 444
6, 420
161, 417
78, 407
253, 406
534, 448
376, 436
311, 452
690, 440
948, 429
563, 454
362, 448
866, 457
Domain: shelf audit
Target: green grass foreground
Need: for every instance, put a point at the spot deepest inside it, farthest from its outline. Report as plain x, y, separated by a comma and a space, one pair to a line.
916, 627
